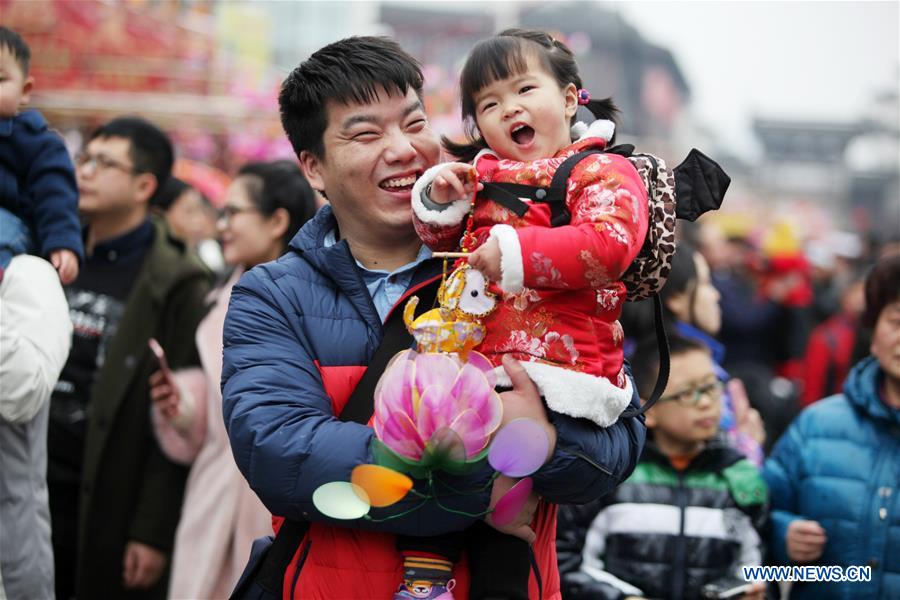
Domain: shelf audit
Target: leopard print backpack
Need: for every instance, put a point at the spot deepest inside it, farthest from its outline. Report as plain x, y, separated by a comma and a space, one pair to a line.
648, 272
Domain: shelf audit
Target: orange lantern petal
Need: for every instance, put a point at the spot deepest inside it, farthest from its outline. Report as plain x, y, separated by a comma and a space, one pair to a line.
382, 485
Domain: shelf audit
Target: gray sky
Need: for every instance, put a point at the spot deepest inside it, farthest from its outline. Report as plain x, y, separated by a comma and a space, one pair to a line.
775, 59
799, 59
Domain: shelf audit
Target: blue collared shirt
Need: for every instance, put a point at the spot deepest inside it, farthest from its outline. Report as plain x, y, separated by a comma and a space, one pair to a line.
385, 287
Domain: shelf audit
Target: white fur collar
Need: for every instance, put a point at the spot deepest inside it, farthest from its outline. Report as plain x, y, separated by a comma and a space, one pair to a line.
601, 128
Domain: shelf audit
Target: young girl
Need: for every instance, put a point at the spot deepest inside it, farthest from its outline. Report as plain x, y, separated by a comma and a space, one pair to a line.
561, 288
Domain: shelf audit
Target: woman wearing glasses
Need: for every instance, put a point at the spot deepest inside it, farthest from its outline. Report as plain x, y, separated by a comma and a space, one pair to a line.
266, 205
691, 310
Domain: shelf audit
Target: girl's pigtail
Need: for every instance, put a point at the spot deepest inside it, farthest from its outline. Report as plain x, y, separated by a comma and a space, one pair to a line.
463, 152
603, 109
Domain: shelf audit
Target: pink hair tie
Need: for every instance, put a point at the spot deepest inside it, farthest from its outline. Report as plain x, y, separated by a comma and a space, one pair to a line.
584, 96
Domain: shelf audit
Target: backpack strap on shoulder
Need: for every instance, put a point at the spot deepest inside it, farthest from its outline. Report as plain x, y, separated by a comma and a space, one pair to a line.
396, 337
556, 193
509, 195
662, 344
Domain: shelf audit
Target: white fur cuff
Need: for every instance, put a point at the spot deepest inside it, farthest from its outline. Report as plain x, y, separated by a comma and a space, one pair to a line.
447, 214
575, 394
511, 268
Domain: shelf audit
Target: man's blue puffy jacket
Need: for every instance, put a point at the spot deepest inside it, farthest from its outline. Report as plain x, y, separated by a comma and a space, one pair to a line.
302, 327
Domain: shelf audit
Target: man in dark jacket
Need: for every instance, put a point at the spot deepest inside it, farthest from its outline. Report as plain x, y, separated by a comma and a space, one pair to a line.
300, 332
114, 498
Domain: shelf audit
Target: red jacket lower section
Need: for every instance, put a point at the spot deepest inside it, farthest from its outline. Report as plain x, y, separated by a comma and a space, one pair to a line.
338, 563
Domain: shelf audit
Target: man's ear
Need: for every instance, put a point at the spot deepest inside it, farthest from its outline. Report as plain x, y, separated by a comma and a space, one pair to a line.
311, 165
571, 95
145, 186
650, 418
26, 91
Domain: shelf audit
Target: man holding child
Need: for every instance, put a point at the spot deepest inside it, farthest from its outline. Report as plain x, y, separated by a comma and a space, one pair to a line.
301, 331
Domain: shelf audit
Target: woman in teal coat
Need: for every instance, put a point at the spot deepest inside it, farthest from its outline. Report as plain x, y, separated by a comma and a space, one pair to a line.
835, 475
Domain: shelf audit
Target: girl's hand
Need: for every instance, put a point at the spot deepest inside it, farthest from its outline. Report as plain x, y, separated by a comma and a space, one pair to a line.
486, 259
164, 393
455, 181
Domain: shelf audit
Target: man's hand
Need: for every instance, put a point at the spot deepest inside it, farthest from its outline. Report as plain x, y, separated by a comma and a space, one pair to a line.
142, 566
164, 393
455, 181
520, 526
486, 259
805, 541
525, 401
66, 264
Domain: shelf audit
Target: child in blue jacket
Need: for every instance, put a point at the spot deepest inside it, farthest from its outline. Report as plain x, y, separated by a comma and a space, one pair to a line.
38, 193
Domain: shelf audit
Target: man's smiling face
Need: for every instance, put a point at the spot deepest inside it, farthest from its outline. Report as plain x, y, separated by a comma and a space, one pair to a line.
373, 155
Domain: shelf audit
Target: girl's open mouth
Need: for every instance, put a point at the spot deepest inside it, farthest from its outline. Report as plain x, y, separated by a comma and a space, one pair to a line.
522, 135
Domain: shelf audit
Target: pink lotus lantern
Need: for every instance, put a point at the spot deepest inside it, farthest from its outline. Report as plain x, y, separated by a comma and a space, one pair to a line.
435, 410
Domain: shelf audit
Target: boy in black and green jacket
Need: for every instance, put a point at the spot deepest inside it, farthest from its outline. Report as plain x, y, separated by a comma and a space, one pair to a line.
688, 517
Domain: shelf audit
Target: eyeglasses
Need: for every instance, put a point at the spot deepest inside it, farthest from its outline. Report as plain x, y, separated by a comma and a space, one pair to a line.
100, 161
230, 211
691, 397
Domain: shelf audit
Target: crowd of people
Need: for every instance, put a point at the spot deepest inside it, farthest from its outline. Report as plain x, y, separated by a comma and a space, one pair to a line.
173, 377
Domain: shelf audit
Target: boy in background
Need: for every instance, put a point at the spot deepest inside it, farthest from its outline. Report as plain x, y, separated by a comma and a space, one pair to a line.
688, 517
38, 193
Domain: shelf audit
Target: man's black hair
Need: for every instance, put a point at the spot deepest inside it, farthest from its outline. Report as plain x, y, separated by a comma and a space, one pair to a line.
281, 184
352, 70
149, 148
169, 192
882, 288
645, 361
13, 42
